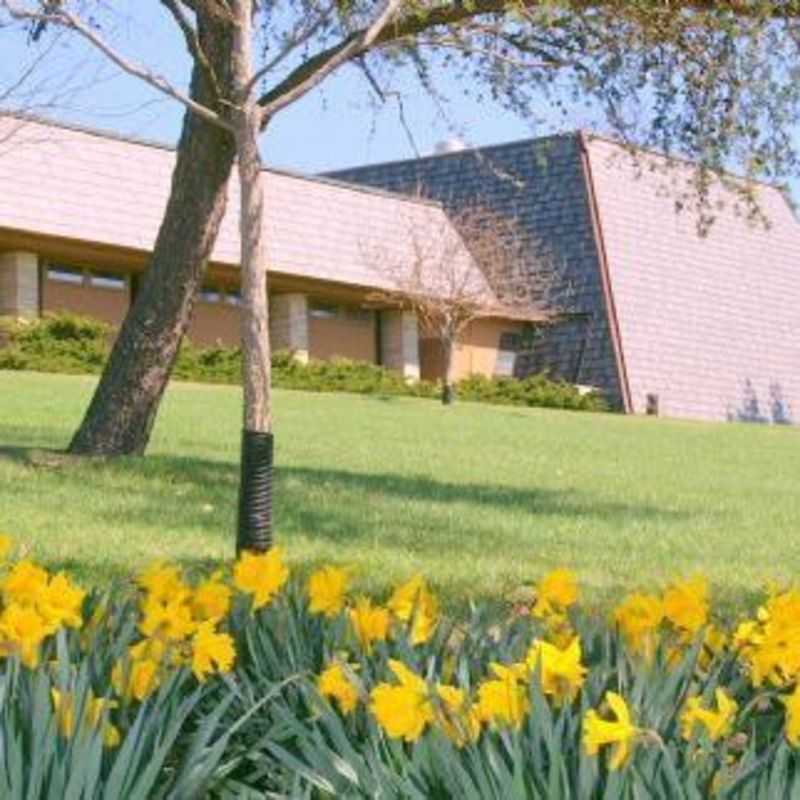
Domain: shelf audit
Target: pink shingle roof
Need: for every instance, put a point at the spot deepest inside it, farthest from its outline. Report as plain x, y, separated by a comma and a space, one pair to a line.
709, 324
86, 186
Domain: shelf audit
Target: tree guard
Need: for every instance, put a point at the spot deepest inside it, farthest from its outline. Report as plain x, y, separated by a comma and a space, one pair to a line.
254, 529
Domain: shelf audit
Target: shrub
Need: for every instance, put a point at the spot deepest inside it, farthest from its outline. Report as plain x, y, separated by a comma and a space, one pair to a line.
71, 344
253, 683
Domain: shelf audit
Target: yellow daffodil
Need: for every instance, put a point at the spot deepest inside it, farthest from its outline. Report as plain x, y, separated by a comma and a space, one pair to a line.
24, 584
333, 682
686, 605
370, 623
211, 651
413, 603
555, 592
456, 716
770, 645
64, 707
211, 599
561, 671
136, 679
22, 630
638, 618
163, 583
6, 545
504, 699
65, 712
716, 723
60, 603
172, 620
261, 575
621, 732
404, 709
326, 590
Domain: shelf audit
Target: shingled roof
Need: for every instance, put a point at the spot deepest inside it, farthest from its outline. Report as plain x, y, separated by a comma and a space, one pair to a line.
709, 325
89, 186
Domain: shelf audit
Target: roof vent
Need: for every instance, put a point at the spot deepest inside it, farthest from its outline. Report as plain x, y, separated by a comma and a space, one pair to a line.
452, 145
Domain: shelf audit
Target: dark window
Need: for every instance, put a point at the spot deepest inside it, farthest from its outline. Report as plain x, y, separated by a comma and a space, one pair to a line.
62, 274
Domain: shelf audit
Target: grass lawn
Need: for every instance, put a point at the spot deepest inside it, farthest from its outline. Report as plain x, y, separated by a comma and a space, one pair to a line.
482, 499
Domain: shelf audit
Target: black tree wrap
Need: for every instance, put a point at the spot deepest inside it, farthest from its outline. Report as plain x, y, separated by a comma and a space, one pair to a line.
255, 493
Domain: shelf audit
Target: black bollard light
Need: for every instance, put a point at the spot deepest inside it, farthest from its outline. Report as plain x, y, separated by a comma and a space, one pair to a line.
254, 531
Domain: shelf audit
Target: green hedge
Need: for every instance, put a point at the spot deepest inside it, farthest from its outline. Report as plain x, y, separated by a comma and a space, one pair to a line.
71, 344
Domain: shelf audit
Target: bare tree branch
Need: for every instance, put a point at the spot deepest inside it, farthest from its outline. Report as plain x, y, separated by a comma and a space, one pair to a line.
60, 17
193, 43
317, 68
475, 264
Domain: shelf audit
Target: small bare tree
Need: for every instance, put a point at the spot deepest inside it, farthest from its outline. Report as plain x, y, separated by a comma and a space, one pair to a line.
474, 264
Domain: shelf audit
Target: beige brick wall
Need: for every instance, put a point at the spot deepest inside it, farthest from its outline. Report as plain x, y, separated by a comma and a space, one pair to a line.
477, 355
343, 338
108, 305
215, 323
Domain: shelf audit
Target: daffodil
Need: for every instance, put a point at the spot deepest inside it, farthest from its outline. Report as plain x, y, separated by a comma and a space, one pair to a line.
504, 699
555, 592
64, 707
370, 623
638, 618
24, 584
163, 583
333, 682
413, 603
326, 590
403, 709
6, 545
211, 599
211, 651
22, 631
620, 732
171, 620
686, 605
60, 603
561, 672
456, 716
137, 678
717, 723
261, 575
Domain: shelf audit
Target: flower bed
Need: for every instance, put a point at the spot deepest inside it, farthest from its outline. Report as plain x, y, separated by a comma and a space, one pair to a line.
251, 681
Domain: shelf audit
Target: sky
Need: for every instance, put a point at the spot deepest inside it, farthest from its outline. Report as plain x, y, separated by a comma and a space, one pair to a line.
338, 125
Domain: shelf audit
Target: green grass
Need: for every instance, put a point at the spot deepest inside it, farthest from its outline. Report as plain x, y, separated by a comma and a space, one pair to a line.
482, 499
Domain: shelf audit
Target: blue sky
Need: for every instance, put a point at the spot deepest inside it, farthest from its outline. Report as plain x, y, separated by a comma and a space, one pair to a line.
340, 124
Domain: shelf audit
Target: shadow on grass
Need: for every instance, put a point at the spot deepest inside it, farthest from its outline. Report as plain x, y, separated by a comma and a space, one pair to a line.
193, 492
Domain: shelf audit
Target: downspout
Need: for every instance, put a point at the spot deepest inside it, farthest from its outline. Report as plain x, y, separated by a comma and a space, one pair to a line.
605, 276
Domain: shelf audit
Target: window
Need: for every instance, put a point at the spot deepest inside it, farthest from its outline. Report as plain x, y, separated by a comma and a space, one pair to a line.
318, 310
208, 294
506, 354
321, 310
107, 280
62, 274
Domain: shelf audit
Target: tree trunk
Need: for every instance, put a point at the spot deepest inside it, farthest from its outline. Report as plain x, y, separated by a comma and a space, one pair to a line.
122, 411
449, 383
255, 490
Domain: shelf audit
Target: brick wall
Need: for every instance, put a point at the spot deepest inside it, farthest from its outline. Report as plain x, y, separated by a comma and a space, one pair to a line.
107, 305
541, 184
342, 338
